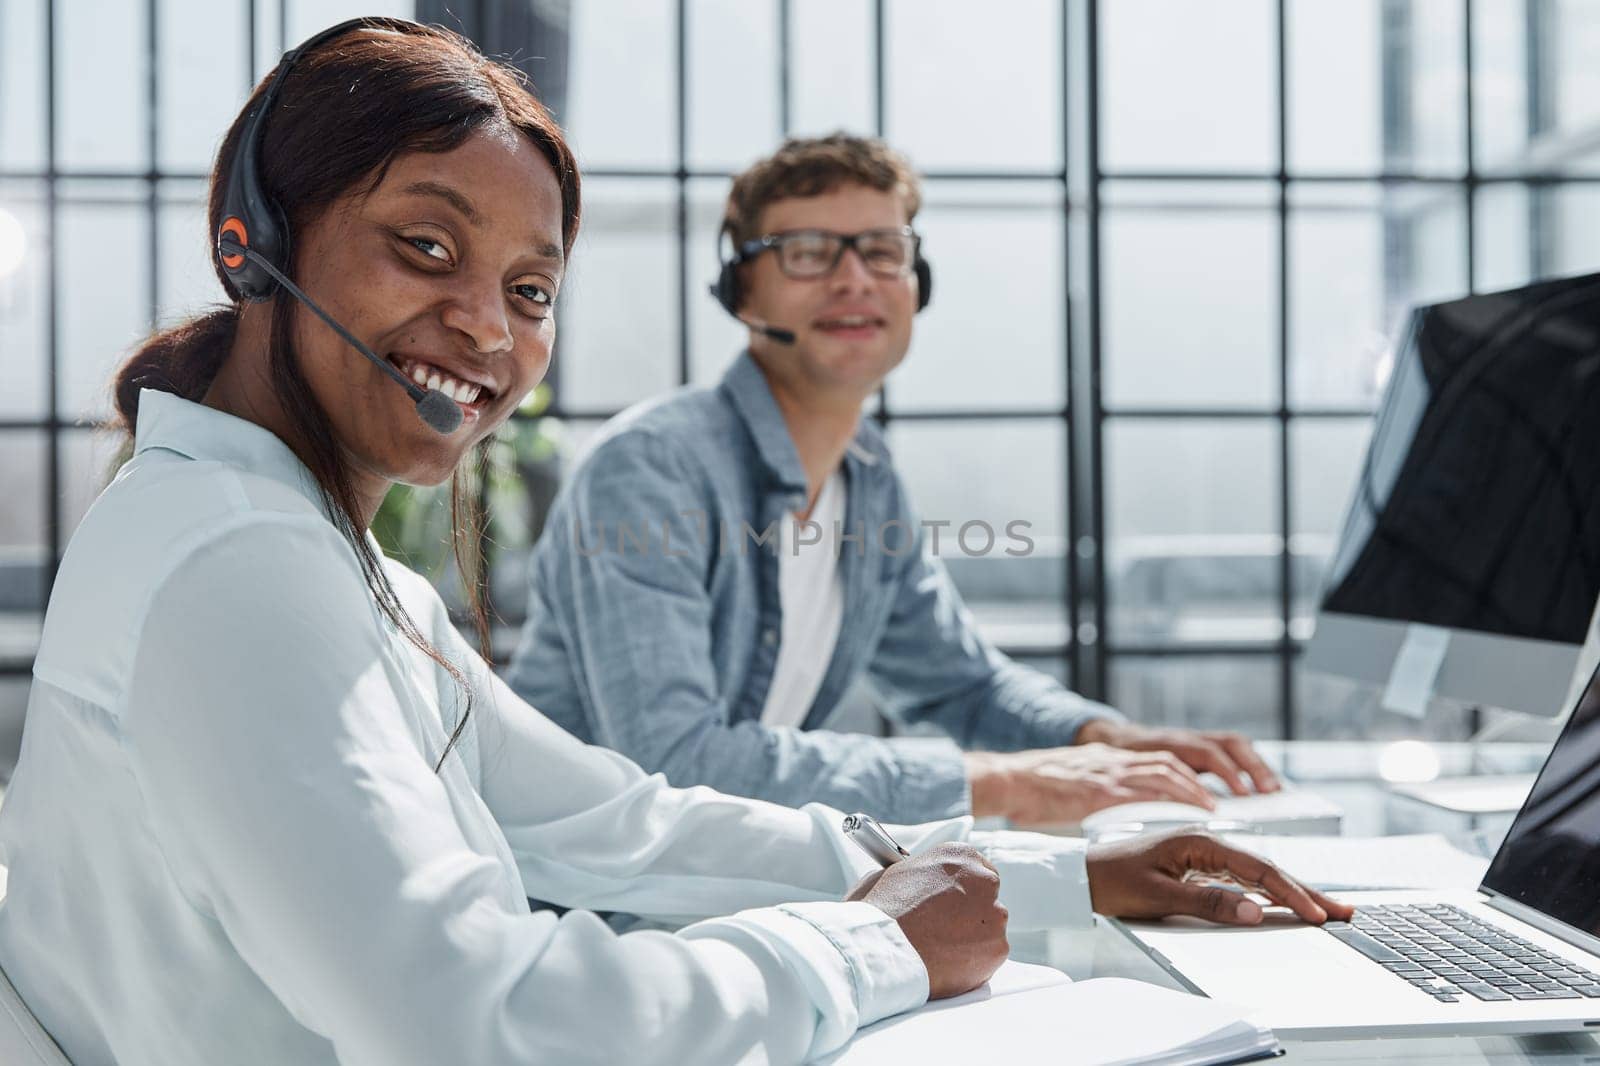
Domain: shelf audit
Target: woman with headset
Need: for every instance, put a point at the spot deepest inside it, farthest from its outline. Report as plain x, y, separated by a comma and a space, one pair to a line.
271, 808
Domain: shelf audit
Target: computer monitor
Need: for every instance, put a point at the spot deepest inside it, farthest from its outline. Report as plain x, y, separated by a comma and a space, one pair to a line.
1475, 519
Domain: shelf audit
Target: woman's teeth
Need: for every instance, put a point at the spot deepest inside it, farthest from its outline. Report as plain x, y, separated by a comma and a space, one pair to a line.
458, 390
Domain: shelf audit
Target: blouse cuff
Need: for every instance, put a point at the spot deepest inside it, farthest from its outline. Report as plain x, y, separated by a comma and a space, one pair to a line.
1044, 881
857, 965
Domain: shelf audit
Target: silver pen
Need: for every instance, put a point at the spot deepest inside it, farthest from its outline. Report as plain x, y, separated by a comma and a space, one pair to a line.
871, 838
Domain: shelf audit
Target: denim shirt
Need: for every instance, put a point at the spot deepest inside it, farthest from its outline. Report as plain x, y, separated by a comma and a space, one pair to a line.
654, 618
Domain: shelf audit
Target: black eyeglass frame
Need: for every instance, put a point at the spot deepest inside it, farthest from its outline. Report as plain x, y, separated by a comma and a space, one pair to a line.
774, 242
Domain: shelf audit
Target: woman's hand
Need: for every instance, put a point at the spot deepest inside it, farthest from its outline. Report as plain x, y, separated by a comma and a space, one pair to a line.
1178, 873
946, 901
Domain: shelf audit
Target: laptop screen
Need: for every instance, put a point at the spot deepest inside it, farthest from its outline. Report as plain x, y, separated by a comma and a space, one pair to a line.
1550, 860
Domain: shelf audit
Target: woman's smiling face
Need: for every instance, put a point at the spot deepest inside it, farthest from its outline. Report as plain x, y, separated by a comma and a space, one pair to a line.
449, 270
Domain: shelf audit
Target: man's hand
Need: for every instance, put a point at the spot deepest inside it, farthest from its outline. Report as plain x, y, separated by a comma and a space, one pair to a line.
1150, 877
1055, 785
946, 901
1228, 755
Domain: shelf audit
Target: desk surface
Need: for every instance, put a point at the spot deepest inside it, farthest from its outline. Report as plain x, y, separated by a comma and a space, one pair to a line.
1347, 773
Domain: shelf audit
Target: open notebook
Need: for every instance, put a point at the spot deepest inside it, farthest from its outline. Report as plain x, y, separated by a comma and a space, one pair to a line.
1033, 1014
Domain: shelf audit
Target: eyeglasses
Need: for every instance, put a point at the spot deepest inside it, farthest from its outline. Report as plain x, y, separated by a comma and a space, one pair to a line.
815, 253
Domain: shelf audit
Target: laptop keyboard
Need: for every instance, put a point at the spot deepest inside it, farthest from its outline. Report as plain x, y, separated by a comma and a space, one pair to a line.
1449, 954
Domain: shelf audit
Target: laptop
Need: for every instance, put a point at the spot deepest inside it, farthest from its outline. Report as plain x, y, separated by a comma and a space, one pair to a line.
1521, 954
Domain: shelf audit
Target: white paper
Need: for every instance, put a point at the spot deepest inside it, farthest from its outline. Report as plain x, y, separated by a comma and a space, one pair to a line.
1416, 668
1104, 1022
1422, 860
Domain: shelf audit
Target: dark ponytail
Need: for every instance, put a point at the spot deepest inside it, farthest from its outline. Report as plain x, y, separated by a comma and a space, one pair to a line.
183, 360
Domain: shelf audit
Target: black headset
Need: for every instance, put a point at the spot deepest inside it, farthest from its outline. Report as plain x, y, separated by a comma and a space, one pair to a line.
729, 293
250, 219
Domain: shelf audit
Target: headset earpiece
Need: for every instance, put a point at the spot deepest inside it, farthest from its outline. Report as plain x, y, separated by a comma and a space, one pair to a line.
924, 273
249, 217
725, 290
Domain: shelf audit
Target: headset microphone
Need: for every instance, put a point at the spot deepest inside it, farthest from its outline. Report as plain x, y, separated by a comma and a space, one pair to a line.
782, 336
439, 411
725, 290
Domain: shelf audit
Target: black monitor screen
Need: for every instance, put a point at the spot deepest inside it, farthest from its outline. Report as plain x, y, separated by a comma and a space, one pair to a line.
1550, 859
1478, 504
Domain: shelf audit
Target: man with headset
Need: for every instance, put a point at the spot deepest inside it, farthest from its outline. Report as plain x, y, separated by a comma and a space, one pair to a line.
724, 562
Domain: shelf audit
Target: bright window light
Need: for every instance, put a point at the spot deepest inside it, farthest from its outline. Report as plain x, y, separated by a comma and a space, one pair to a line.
1408, 761
12, 243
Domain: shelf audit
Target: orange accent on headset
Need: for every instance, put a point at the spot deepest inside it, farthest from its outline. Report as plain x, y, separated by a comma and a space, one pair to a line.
234, 226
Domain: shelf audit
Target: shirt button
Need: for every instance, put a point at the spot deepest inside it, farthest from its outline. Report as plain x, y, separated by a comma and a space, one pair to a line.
770, 637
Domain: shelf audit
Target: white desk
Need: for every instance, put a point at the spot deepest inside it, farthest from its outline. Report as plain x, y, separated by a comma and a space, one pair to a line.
1347, 773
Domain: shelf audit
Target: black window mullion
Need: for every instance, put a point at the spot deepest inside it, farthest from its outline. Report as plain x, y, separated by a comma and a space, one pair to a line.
1198, 650
1538, 116
1231, 413
1470, 190
879, 68
785, 71
1286, 701
1537, 179
880, 81
152, 146
1069, 588
52, 501
681, 176
1095, 681
1469, 107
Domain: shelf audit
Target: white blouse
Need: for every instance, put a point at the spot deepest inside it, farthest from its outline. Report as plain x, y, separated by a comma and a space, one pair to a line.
227, 842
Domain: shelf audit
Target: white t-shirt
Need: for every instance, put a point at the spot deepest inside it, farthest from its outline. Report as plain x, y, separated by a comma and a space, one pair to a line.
812, 594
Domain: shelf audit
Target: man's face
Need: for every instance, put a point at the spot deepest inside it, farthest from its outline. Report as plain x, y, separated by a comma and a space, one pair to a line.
851, 326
